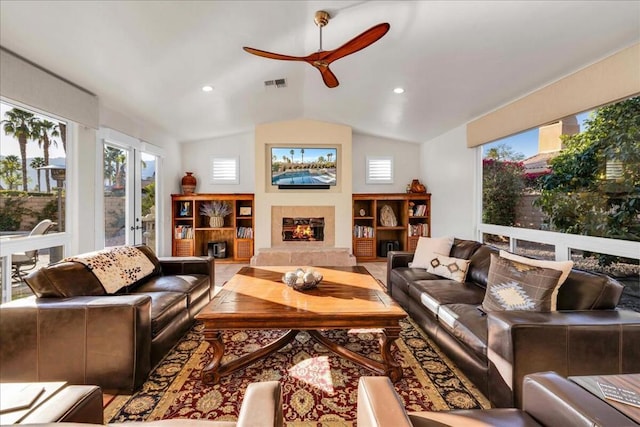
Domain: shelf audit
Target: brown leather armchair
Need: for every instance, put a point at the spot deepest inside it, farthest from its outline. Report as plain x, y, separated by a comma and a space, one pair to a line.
261, 407
548, 400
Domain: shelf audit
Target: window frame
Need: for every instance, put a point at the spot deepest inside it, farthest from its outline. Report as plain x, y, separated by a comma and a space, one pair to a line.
371, 161
59, 238
228, 160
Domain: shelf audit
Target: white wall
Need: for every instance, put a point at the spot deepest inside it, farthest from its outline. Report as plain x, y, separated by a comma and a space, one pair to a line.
448, 169
196, 158
406, 161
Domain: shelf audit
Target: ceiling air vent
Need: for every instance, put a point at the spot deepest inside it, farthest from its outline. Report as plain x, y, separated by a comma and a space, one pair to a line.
277, 83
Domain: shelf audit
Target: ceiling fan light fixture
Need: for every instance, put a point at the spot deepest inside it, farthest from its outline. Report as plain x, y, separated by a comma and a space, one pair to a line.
398, 90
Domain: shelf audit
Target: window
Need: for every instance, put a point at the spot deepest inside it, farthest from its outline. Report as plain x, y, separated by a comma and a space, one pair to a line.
33, 176
579, 175
224, 170
379, 170
577, 182
32, 169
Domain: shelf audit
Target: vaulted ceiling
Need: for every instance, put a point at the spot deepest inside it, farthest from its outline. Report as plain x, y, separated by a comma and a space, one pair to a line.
455, 59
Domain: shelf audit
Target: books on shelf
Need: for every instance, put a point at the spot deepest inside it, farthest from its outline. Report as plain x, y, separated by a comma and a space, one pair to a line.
419, 230
419, 210
362, 231
244, 233
183, 232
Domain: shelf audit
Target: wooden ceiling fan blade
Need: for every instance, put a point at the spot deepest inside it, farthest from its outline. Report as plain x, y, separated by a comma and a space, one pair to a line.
359, 42
328, 77
272, 55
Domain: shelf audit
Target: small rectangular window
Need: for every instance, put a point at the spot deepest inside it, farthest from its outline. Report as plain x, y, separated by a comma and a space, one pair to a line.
379, 170
224, 170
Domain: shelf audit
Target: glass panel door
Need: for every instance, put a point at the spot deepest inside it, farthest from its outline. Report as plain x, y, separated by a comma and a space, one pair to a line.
117, 217
146, 183
129, 191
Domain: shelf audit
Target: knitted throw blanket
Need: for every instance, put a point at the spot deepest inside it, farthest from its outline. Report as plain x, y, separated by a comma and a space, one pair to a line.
116, 267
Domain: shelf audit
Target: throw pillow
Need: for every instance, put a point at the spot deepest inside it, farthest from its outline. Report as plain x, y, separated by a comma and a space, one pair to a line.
515, 286
449, 267
427, 246
563, 266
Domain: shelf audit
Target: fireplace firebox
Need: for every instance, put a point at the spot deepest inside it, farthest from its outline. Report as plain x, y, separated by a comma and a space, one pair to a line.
302, 229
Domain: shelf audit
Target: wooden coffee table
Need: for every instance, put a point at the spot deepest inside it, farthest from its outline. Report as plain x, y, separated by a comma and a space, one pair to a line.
256, 298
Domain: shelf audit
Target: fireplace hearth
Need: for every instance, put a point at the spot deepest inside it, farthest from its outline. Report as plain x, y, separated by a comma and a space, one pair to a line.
302, 229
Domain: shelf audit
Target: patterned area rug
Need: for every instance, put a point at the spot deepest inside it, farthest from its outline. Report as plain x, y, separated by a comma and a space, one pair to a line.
319, 387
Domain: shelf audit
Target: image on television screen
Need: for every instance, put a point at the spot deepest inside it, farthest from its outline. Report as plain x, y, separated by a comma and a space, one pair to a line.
303, 166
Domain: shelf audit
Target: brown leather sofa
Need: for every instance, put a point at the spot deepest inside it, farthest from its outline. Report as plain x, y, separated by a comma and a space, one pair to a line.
587, 335
73, 331
549, 400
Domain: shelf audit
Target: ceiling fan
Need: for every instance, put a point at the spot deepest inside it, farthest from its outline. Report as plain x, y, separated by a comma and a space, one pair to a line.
321, 59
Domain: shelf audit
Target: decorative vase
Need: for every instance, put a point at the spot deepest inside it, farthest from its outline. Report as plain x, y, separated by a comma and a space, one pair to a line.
216, 221
417, 187
189, 183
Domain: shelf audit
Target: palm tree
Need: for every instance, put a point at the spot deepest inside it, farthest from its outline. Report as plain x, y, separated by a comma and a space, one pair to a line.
329, 156
44, 131
19, 124
36, 163
291, 154
302, 154
62, 129
10, 171
110, 156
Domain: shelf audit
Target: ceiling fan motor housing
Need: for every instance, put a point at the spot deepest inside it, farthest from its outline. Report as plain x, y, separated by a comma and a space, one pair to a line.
321, 18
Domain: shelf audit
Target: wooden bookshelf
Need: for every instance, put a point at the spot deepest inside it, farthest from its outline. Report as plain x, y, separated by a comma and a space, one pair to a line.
371, 238
192, 231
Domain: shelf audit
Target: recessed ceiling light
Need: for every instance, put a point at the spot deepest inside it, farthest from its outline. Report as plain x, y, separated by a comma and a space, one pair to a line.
207, 88
398, 90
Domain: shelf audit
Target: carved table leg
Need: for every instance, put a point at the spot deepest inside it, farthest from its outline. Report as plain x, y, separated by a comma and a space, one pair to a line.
391, 368
215, 370
210, 374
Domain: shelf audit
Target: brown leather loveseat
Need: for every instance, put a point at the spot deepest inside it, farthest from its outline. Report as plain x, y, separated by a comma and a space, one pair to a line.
74, 330
586, 335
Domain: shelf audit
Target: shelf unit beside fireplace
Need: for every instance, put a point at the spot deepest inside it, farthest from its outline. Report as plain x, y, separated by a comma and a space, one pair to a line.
192, 232
413, 214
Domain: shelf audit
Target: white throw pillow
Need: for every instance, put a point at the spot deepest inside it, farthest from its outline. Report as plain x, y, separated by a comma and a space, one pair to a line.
449, 267
562, 266
427, 246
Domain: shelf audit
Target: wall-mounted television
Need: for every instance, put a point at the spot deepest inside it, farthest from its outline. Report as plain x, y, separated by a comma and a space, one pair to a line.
299, 167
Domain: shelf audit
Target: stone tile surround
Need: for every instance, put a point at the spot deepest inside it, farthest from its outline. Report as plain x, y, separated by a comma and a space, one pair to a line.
339, 257
326, 212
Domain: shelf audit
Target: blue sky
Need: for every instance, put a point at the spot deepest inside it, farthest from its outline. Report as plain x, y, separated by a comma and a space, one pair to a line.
527, 142
310, 154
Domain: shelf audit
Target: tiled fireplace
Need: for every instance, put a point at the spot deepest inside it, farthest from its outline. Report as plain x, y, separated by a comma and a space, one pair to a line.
286, 221
305, 229
289, 246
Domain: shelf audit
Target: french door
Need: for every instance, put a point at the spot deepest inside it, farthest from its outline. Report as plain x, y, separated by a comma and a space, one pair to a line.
129, 183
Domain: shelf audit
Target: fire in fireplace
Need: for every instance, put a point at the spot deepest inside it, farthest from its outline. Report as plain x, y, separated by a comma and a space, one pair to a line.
302, 229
